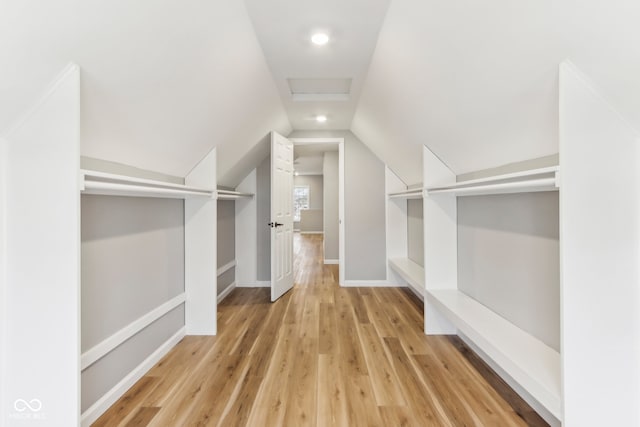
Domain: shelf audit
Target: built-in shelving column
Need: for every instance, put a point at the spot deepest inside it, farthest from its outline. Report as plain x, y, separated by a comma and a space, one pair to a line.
600, 253
440, 240
3, 279
41, 372
200, 251
396, 223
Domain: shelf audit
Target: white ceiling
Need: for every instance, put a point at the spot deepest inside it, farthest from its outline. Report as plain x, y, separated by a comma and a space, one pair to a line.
284, 28
477, 82
309, 158
163, 81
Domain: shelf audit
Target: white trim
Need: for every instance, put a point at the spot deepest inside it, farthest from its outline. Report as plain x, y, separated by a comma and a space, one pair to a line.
311, 232
320, 97
97, 409
341, 219
256, 284
103, 348
341, 196
228, 266
331, 261
316, 140
372, 284
222, 295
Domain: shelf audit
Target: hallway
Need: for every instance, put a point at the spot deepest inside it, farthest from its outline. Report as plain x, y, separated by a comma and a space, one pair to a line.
321, 355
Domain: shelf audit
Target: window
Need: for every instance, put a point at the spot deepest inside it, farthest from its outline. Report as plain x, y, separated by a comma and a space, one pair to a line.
300, 201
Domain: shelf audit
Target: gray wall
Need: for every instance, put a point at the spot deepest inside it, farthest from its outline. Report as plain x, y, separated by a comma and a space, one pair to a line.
226, 241
263, 201
316, 192
330, 212
315, 184
365, 250
508, 258
132, 262
415, 231
311, 221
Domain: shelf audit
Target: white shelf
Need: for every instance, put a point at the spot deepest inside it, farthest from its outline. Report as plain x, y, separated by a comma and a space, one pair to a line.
233, 195
108, 184
411, 272
530, 362
543, 179
412, 193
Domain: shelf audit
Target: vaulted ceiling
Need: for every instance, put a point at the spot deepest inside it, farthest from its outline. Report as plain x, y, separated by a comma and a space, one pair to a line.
165, 81
284, 29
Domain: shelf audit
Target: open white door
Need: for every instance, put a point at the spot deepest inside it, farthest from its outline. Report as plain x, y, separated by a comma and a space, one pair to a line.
281, 215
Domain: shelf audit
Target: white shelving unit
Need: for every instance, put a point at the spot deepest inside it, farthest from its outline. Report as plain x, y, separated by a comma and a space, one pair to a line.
400, 267
410, 271
42, 255
107, 184
531, 363
233, 195
525, 362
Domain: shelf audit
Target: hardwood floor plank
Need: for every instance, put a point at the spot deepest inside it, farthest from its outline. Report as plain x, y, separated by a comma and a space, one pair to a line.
361, 404
379, 317
383, 377
128, 403
414, 392
142, 417
238, 413
209, 406
358, 305
271, 400
398, 416
332, 395
437, 381
301, 399
321, 355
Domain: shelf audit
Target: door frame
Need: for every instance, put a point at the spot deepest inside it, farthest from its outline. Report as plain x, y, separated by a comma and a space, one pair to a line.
341, 194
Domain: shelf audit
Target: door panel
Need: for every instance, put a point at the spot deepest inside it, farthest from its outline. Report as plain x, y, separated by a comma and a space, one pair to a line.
281, 215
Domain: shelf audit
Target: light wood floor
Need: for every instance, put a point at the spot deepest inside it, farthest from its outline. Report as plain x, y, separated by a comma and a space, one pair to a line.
320, 356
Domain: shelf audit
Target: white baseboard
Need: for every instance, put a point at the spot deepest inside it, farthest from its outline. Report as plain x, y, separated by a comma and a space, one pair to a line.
331, 261
312, 232
228, 266
226, 291
256, 284
371, 284
103, 348
97, 409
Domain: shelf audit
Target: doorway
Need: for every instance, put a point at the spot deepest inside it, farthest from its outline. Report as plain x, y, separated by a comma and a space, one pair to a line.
319, 202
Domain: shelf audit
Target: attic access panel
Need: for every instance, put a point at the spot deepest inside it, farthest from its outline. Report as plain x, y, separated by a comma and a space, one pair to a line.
319, 89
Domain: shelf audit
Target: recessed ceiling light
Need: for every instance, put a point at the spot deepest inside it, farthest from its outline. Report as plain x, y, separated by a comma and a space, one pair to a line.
320, 39
321, 119
296, 173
